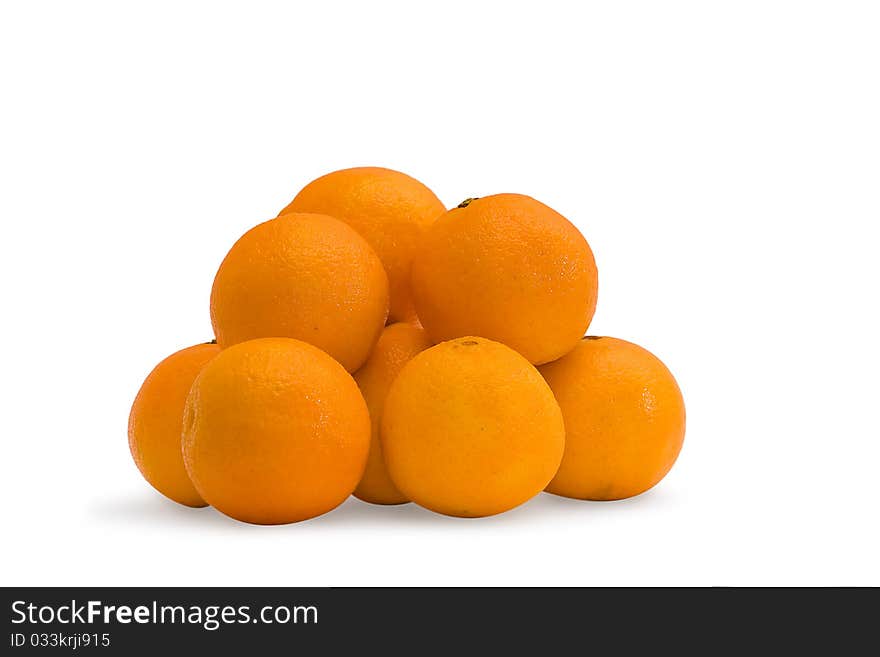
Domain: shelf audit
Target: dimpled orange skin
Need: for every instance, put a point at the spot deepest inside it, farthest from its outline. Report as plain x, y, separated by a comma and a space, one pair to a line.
471, 429
624, 418
396, 346
275, 431
508, 268
390, 209
156, 422
304, 276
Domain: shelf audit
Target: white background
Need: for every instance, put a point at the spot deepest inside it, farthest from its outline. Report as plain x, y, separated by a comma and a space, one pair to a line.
722, 159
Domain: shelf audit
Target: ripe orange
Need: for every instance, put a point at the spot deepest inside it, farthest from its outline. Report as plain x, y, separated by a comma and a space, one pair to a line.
156, 422
471, 429
396, 346
390, 209
275, 431
303, 276
624, 419
508, 268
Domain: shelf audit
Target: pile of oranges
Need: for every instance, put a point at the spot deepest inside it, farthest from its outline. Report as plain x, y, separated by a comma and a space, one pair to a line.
370, 342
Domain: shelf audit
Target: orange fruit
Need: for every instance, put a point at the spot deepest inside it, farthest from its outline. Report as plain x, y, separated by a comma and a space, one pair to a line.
303, 276
624, 419
471, 429
390, 209
156, 422
396, 346
510, 269
275, 431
